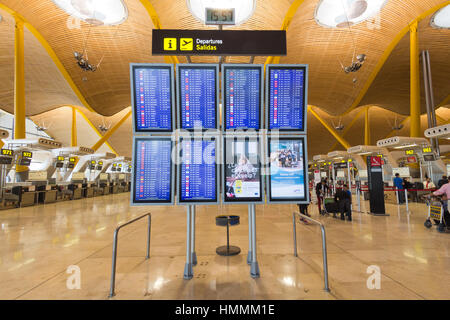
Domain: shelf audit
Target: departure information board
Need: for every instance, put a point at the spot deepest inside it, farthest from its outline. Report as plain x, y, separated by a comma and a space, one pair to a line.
198, 171
287, 178
242, 87
286, 97
197, 88
152, 87
153, 171
242, 170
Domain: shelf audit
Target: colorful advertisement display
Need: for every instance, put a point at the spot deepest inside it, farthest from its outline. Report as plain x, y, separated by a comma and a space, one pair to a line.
287, 171
242, 170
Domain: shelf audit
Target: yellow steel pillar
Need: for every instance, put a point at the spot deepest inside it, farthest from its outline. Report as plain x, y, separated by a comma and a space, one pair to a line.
73, 140
110, 132
366, 127
19, 85
415, 81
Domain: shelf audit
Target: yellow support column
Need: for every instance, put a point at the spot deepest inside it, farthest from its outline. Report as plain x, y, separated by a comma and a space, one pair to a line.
110, 132
19, 85
366, 127
73, 140
415, 81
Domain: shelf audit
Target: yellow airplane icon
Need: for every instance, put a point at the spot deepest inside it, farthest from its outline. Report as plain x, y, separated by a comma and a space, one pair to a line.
186, 44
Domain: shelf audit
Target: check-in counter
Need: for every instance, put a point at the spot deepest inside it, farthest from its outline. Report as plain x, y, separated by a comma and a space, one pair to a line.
88, 190
24, 194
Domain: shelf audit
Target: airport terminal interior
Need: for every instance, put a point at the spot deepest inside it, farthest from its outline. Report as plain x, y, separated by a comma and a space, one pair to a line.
224, 149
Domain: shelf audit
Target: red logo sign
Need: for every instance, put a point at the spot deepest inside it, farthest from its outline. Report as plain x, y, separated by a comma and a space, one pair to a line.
375, 162
412, 159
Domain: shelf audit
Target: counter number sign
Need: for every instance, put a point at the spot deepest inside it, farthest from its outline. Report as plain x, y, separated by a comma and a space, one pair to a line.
427, 150
27, 154
7, 152
409, 152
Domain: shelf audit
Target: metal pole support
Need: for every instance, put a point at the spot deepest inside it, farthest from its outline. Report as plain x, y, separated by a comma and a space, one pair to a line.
194, 254
358, 198
294, 230
249, 255
188, 271
254, 267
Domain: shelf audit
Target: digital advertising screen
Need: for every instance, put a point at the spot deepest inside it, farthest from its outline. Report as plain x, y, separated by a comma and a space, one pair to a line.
153, 97
242, 170
198, 171
197, 88
153, 174
287, 174
286, 90
242, 96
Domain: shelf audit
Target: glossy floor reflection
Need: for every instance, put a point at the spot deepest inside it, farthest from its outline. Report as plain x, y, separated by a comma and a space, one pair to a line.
38, 244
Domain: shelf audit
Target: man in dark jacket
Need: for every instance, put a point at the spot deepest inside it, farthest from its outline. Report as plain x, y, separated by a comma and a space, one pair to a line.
443, 181
344, 199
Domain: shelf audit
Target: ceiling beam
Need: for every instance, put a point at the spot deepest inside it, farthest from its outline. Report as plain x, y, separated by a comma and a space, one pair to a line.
348, 127
110, 132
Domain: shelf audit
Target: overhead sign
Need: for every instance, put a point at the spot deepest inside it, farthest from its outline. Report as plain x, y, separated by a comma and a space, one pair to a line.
27, 154
72, 159
60, 158
427, 150
340, 165
7, 152
409, 152
219, 42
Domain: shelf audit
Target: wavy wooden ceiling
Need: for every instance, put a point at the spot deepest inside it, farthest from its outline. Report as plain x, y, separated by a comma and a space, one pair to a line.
107, 90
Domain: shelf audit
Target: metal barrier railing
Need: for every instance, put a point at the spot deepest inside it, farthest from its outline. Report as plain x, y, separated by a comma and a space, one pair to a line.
324, 245
114, 254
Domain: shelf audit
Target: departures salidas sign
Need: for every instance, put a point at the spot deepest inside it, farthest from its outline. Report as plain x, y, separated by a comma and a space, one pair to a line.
219, 42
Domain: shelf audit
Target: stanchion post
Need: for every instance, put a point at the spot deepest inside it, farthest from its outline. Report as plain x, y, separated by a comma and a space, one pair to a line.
358, 198
398, 195
294, 230
406, 199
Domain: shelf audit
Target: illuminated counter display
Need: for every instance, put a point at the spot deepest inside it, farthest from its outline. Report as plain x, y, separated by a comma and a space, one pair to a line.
198, 171
197, 87
153, 97
242, 96
153, 174
286, 97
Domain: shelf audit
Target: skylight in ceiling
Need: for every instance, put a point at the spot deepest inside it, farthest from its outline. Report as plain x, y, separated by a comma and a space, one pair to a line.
442, 18
96, 12
345, 13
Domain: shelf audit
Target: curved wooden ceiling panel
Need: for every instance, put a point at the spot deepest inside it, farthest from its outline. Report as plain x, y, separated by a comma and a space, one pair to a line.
324, 48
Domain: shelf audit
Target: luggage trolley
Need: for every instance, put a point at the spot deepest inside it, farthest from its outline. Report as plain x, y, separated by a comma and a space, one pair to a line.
436, 212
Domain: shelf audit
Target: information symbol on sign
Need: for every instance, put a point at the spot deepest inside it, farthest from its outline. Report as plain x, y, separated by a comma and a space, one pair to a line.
170, 44
186, 44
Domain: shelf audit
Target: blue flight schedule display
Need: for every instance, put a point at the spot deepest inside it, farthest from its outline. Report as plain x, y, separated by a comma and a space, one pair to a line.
197, 94
153, 98
287, 98
242, 99
198, 176
153, 173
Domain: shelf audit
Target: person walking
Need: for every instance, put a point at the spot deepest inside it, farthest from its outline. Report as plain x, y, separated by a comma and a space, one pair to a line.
344, 200
398, 183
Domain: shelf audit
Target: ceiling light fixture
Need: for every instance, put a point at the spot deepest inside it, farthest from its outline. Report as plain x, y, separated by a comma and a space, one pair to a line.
96, 12
406, 146
441, 19
346, 13
243, 8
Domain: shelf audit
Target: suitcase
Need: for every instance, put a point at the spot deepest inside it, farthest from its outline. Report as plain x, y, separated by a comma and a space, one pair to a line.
332, 207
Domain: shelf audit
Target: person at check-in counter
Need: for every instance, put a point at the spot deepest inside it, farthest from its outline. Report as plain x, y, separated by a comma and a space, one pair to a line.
443, 181
398, 183
428, 184
344, 198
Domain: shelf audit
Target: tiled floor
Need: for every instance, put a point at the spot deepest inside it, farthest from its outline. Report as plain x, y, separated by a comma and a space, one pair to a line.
38, 244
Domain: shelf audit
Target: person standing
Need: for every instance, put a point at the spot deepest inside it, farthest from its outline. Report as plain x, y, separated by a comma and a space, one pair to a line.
443, 181
398, 183
344, 199
428, 184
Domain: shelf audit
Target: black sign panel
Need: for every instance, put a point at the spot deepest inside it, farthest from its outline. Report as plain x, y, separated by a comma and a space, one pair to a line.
376, 187
25, 162
5, 160
340, 165
219, 42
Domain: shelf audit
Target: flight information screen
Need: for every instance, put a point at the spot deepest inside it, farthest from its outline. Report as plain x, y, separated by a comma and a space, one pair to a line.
287, 98
242, 170
152, 88
197, 96
198, 171
242, 97
152, 170
287, 174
